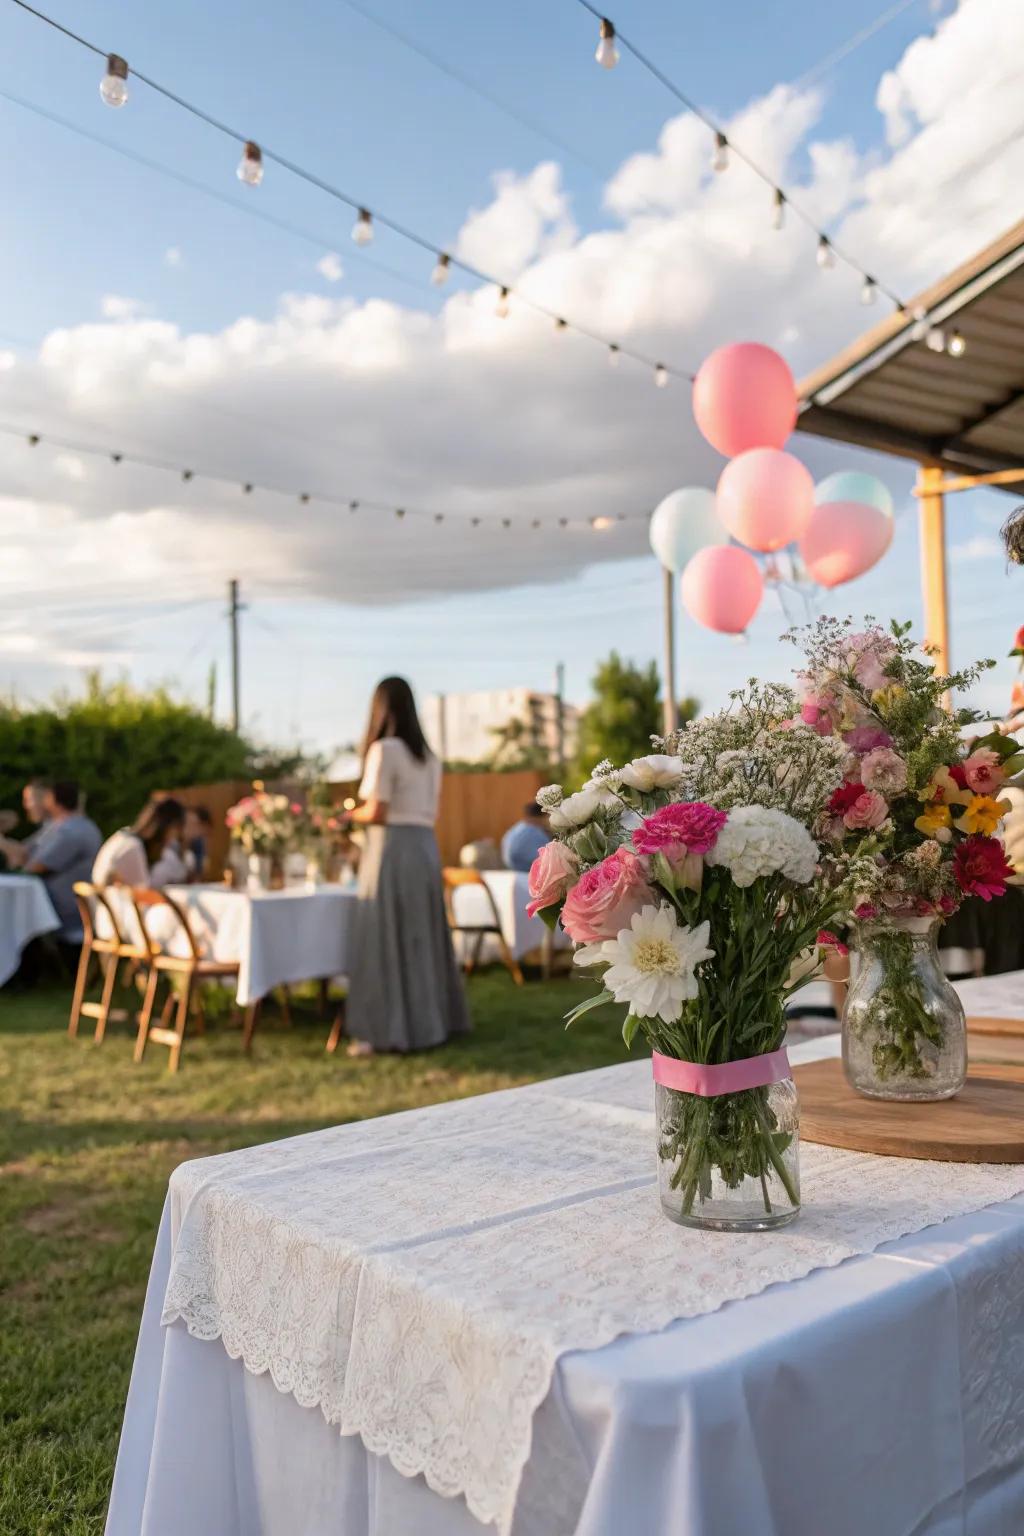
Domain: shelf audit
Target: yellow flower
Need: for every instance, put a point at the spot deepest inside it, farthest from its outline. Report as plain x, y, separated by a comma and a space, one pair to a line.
983, 814
943, 788
937, 822
885, 699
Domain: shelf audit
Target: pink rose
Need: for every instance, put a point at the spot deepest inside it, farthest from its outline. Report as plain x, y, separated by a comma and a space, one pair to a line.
551, 874
607, 898
884, 770
867, 811
982, 771
867, 656
865, 911
675, 830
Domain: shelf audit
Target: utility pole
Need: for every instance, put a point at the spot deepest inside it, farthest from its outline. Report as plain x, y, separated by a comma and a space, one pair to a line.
234, 609
670, 709
560, 718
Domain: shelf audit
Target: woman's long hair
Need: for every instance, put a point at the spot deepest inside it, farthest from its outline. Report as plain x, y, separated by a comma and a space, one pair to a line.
156, 824
393, 713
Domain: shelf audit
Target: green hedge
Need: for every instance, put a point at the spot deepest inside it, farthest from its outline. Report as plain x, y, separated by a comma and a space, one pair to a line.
120, 743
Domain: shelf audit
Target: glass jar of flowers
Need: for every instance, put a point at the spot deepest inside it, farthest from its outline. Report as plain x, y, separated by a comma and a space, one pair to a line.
691, 883
916, 815
265, 827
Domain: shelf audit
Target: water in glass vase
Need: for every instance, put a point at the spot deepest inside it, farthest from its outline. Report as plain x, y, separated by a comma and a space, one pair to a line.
904, 1031
729, 1162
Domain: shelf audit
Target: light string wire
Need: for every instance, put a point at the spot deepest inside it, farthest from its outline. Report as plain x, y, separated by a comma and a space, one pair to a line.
724, 142
358, 206
600, 523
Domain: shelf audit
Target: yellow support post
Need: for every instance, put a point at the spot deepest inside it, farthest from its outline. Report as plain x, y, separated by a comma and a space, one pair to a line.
933, 562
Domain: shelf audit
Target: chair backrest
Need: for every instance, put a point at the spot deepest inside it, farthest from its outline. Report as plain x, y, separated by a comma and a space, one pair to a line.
454, 877
146, 902
90, 899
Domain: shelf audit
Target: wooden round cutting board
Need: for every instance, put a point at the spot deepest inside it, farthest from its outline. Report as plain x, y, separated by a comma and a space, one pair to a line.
984, 1123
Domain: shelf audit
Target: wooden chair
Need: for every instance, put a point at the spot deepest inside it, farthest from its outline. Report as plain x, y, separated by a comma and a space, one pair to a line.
456, 878
109, 950
191, 968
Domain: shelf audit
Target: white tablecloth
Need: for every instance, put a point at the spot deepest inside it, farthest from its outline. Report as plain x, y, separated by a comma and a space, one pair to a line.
885, 1395
26, 911
277, 936
511, 892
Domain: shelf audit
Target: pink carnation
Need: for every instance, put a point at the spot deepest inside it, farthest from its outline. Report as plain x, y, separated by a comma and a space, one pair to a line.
884, 770
551, 874
865, 738
828, 940
869, 810
675, 830
983, 771
607, 898
865, 911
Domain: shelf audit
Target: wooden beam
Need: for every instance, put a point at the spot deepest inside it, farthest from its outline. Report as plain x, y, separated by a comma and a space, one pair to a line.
971, 482
933, 563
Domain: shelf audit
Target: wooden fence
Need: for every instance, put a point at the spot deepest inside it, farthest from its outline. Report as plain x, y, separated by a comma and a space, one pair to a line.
473, 806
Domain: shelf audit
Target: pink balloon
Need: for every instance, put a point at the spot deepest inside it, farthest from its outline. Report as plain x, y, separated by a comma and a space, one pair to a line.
844, 539
722, 587
765, 498
744, 397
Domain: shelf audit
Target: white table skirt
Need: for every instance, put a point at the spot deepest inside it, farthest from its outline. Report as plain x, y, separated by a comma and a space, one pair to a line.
885, 1395
26, 912
511, 892
277, 936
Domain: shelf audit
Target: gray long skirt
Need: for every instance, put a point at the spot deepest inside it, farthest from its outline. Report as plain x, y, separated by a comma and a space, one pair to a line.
405, 992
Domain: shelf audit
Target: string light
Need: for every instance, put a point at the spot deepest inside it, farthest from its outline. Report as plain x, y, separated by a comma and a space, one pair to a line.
607, 54
826, 257
501, 308
778, 208
661, 376
613, 354
560, 324
602, 524
250, 167
720, 157
869, 291
362, 229
935, 339
956, 346
113, 86
442, 271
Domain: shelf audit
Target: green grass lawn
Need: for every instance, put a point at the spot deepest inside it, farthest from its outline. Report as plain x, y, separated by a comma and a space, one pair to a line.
87, 1142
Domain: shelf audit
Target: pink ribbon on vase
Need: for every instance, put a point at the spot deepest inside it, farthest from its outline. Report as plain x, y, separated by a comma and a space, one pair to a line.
729, 1077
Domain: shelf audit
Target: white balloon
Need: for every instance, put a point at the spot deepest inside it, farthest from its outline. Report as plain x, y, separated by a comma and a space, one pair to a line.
683, 523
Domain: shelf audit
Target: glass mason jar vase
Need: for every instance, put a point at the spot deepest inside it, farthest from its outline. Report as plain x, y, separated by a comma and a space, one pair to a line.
729, 1162
904, 1031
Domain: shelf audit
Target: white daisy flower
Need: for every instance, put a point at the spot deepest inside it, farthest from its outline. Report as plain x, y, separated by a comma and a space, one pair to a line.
652, 963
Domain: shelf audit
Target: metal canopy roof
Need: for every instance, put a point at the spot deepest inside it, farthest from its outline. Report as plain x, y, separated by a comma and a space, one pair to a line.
890, 391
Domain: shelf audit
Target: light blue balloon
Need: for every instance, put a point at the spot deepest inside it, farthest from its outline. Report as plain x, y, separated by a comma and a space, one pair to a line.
853, 485
682, 524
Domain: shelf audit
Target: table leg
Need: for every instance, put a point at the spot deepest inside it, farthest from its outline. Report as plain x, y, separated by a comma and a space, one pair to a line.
323, 987
337, 1030
252, 1013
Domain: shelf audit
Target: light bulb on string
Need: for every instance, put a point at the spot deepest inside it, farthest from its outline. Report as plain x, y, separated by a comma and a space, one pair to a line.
613, 354
935, 339
560, 324
113, 86
720, 156
250, 167
607, 54
362, 229
956, 346
501, 308
869, 291
778, 208
826, 257
660, 375
602, 524
442, 271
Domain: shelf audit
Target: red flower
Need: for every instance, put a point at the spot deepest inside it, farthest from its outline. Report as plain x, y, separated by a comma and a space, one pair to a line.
844, 797
957, 774
981, 867
1018, 639
687, 827
827, 940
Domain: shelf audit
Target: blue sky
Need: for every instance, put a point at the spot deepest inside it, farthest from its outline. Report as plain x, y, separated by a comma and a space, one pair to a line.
517, 426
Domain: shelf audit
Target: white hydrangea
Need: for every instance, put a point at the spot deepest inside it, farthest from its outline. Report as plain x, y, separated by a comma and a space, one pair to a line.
550, 796
658, 771
757, 841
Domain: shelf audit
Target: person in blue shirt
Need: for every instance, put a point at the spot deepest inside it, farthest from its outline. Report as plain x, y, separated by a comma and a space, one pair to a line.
63, 853
522, 843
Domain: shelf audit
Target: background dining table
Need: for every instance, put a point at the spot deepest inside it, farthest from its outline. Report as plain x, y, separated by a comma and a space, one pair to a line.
26, 913
881, 1393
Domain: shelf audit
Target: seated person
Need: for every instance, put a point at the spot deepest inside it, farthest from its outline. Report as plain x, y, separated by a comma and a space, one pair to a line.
198, 824
522, 843
63, 853
145, 853
18, 853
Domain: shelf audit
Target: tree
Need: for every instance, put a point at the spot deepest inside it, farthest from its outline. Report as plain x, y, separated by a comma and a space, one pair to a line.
624, 714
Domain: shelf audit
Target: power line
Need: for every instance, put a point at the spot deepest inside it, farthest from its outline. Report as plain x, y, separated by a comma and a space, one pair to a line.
851, 45
828, 250
255, 154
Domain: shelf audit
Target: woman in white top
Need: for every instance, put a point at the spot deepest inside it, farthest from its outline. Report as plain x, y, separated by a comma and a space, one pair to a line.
405, 992
145, 854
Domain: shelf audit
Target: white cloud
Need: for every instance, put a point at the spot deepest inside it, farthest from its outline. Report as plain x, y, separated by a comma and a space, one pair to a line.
981, 546
462, 413
173, 256
330, 267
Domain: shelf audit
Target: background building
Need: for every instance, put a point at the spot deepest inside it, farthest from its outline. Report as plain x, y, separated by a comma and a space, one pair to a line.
505, 726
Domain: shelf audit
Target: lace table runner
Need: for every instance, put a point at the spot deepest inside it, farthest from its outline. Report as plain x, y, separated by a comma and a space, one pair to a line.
417, 1277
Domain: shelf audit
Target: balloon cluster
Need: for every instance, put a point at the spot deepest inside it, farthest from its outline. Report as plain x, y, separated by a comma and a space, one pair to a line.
745, 404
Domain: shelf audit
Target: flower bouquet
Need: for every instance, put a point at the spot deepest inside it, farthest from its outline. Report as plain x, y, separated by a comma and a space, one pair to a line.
914, 820
265, 827
691, 883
